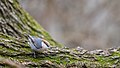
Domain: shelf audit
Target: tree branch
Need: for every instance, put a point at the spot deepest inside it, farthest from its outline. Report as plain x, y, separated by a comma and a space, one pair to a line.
16, 24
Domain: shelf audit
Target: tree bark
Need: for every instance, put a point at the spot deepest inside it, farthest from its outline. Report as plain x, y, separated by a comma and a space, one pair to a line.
16, 24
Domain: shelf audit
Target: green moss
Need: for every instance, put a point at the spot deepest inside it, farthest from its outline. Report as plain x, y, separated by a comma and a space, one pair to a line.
116, 53
31, 26
108, 61
17, 48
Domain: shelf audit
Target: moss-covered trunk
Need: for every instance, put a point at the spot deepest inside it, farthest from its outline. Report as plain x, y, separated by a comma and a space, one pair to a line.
16, 24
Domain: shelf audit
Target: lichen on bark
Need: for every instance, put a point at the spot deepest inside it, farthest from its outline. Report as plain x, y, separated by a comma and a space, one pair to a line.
16, 24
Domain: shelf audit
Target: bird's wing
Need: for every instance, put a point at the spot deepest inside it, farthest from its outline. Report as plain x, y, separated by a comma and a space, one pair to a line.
37, 42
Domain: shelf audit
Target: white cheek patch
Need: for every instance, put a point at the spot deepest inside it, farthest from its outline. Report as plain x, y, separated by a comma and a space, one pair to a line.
44, 46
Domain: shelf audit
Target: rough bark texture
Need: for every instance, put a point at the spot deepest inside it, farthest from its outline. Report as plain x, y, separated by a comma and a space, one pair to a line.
15, 24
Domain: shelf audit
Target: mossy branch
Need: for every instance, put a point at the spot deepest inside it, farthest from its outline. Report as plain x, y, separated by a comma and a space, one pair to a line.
16, 23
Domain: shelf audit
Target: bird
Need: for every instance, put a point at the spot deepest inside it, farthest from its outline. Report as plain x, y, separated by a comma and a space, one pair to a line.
37, 44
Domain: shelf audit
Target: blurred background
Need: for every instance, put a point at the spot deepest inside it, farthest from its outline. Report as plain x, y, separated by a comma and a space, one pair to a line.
91, 24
